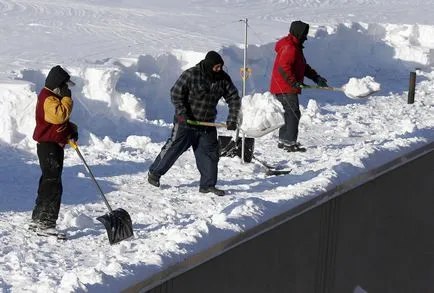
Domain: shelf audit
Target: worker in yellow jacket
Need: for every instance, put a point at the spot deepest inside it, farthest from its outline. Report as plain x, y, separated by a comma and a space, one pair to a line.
52, 132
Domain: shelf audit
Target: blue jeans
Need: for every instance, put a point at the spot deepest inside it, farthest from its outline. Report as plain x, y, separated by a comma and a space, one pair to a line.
288, 133
205, 145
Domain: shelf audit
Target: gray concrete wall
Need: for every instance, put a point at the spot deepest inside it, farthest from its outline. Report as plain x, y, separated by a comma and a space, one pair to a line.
372, 234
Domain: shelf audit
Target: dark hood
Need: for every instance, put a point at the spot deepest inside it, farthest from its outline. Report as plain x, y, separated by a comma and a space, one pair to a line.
56, 77
212, 58
299, 30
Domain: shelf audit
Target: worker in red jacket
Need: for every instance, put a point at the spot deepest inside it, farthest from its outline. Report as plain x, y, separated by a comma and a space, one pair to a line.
290, 68
52, 132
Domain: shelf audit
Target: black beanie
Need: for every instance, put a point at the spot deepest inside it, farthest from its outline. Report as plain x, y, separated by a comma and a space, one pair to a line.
214, 58
56, 77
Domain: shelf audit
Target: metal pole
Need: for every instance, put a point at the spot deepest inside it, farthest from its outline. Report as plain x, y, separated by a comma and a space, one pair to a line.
244, 82
245, 57
411, 88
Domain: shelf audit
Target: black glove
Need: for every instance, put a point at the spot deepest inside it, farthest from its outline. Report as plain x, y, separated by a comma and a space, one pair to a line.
298, 85
74, 136
231, 125
65, 91
321, 81
74, 132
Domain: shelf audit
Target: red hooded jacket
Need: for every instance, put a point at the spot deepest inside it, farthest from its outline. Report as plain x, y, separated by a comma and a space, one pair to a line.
289, 66
52, 118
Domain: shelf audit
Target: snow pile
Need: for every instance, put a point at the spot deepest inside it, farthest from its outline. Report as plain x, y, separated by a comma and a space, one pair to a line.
361, 87
75, 218
17, 111
411, 42
102, 99
261, 113
312, 109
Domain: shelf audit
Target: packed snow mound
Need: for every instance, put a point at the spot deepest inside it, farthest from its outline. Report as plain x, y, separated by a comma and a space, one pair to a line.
261, 113
17, 112
361, 87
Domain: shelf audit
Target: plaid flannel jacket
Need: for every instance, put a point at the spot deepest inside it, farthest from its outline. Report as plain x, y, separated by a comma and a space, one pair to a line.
195, 95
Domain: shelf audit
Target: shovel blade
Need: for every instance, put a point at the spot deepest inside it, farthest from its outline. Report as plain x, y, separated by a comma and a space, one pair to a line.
118, 225
271, 172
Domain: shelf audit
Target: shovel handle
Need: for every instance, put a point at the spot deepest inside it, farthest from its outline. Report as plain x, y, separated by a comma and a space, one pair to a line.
328, 88
337, 89
74, 145
203, 123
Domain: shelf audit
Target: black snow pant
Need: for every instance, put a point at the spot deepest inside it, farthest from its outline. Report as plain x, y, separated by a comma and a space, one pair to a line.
205, 147
288, 133
50, 189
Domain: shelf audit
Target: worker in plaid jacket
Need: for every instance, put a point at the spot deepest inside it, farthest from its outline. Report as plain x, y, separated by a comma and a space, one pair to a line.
195, 96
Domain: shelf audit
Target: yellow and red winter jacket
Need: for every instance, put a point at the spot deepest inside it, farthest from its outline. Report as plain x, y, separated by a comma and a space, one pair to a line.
52, 118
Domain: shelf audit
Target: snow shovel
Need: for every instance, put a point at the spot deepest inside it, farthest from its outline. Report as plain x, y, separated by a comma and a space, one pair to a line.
338, 89
228, 147
117, 222
234, 147
272, 170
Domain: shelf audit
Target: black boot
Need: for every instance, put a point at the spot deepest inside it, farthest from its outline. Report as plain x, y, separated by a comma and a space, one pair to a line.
292, 147
212, 189
153, 179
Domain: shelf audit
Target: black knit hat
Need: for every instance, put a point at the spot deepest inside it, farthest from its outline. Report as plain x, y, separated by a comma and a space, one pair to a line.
56, 77
214, 58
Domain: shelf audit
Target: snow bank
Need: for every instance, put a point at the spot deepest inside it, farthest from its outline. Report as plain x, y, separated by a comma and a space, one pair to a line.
17, 111
131, 95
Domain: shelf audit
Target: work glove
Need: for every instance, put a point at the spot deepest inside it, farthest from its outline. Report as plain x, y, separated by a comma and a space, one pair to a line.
182, 119
65, 91
74, 136
321, 81
298, 85
231, 125
74, 132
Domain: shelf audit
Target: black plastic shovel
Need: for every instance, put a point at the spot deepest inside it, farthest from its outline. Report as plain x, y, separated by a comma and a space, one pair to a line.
228, 146
117, 222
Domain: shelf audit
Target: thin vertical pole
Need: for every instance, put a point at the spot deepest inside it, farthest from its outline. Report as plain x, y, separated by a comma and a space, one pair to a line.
245, 57
411, 88
244, 72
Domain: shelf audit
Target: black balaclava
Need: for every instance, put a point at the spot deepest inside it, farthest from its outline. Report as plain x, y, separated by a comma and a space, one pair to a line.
212, 58
56, 78
299, 30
